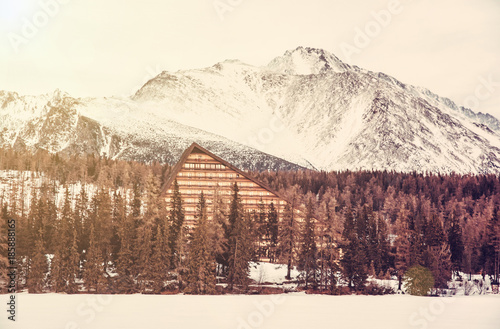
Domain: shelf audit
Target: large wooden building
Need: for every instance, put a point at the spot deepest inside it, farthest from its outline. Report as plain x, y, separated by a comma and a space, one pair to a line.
199, 170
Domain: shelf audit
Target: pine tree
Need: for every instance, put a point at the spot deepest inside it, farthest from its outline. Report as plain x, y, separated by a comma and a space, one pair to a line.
308, 253
201, 275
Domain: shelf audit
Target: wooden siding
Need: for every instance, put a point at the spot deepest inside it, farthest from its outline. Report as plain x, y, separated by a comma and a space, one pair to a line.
198, 171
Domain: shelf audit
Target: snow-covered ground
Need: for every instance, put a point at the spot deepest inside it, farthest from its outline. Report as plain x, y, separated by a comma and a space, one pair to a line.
270, 273
296, 310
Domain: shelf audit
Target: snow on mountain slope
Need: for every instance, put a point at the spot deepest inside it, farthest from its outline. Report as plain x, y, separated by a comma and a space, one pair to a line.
306, 61
112, 127
306, 107
333, 115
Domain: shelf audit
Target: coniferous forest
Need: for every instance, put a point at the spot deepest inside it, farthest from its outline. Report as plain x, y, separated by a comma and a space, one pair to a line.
98, 225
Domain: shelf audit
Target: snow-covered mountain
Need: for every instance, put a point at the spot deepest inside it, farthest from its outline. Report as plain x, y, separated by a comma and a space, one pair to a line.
306, 107
115, 128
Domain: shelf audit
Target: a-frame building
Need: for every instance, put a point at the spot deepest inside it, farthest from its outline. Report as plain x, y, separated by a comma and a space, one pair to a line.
199, 170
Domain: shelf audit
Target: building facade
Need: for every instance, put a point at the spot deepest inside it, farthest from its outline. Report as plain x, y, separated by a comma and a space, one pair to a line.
199, 170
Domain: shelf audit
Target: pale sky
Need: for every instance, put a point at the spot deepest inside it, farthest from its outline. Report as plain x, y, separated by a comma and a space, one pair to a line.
111, 47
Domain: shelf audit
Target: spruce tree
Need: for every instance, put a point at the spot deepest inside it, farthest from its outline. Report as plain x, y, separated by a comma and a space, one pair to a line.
73, 265
93, 274
201, 268
103, 222
161, 257
402, 246
288, 234
261, 231
239, 242
456, 244
272, 231
329, 250
220, 232
354, 254
308, 253
4, 262
38, 268
144, 254
61, 273
125, 263
82, 222
176, 219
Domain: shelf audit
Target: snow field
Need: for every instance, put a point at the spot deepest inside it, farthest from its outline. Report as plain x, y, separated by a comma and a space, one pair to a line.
296, 310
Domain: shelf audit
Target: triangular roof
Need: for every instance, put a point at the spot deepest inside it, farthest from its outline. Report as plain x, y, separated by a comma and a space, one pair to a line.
190, 150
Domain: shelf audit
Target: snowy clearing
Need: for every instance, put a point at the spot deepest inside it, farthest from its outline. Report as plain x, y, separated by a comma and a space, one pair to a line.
296, 310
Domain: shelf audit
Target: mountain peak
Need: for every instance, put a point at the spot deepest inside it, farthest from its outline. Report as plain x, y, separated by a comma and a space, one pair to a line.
305, 61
